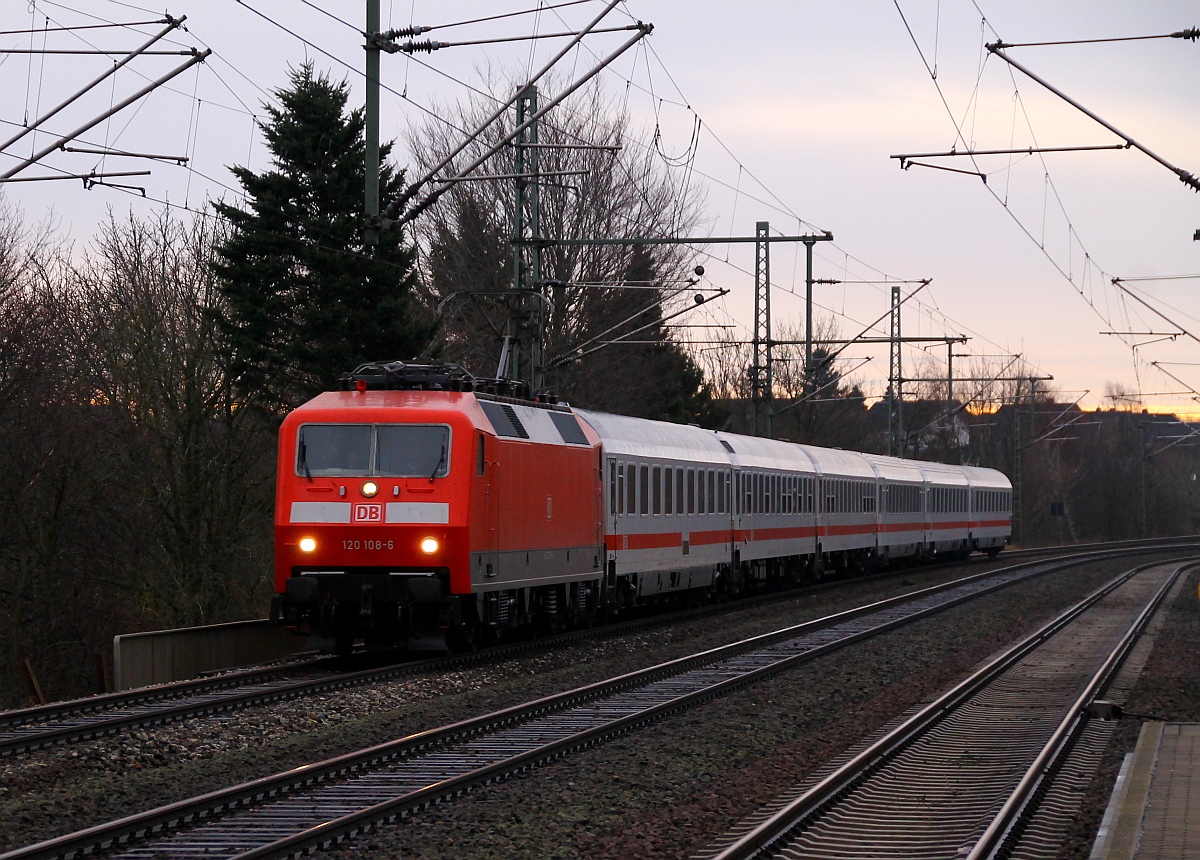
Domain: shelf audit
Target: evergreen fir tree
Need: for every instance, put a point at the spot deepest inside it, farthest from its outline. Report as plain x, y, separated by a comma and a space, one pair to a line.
306, 298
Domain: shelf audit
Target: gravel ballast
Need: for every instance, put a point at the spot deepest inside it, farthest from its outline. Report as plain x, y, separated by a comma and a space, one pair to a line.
660, 792
670, 790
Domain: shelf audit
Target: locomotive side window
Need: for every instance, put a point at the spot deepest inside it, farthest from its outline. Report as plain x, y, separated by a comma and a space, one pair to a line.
394, 450
482, 459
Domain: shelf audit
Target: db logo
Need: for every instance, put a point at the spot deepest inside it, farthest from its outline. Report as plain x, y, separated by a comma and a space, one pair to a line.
364, 513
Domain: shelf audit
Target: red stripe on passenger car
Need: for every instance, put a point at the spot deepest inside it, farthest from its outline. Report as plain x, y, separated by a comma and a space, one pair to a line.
655, 541
663, 540
784, 533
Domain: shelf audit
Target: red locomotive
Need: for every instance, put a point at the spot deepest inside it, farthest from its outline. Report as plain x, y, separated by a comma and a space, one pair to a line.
421, 507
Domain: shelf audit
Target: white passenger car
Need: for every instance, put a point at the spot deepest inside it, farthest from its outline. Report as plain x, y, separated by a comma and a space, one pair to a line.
689, 508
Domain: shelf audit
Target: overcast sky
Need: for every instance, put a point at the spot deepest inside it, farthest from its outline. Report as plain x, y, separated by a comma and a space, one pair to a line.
786, 112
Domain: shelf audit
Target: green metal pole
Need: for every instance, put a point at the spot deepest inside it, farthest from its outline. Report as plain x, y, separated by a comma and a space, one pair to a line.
371, 191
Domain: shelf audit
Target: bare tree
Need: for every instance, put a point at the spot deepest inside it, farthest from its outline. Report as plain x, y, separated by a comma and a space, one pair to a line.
152, 356
1121, 397
601, 302
60, 607
726, 364
818, 403
136, 491
31, 262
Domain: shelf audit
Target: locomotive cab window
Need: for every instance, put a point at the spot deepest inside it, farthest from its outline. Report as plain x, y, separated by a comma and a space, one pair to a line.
391, 450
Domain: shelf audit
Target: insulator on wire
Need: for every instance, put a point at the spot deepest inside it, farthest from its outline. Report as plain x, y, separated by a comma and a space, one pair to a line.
405, 33
425, 47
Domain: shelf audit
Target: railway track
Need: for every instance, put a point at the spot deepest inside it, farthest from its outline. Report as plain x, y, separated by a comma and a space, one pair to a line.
98, 716
79, 720
275, 816
963, 776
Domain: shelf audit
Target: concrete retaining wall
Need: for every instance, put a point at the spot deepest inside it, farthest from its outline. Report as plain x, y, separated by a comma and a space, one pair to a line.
162, 656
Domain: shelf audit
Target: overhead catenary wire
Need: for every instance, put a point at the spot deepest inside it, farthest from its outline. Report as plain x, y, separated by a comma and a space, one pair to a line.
761, 198
200, 57
1065, 273
1111, 303
741, 168
1187, 178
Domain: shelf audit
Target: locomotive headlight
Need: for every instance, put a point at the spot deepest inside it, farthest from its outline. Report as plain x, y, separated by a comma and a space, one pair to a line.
429, 545
307, 544
369, 488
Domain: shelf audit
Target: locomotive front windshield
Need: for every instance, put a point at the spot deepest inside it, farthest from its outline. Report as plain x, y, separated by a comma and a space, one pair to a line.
385, 450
